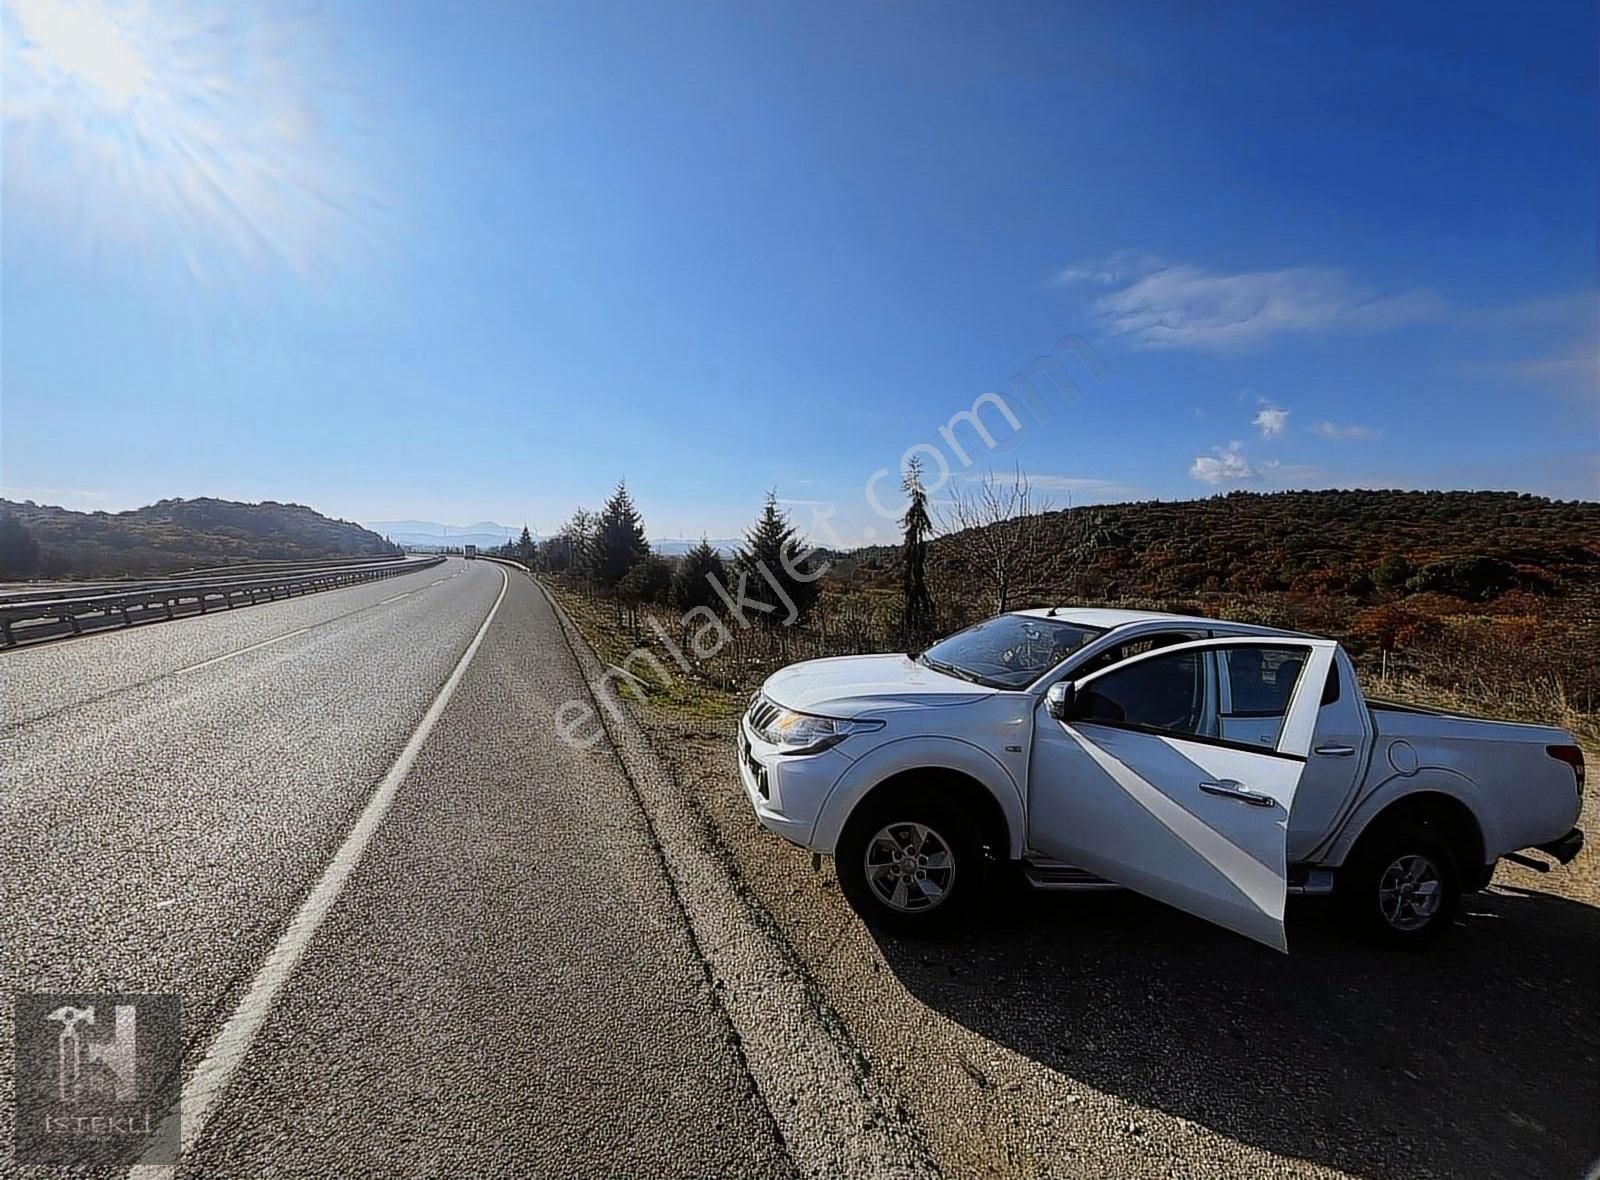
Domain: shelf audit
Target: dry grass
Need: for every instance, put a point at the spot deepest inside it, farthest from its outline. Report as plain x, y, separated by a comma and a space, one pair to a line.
1476, 666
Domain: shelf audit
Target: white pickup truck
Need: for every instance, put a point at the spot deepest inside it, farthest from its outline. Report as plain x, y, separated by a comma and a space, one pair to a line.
1215, 766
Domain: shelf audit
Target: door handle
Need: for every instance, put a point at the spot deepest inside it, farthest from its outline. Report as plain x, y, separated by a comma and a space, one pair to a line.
1335, 751
1231, 789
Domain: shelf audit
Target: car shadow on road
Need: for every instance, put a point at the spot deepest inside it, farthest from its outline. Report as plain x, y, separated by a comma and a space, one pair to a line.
1480, 1057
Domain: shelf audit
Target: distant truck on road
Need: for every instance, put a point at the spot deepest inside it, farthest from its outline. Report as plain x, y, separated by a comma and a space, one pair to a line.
471, 551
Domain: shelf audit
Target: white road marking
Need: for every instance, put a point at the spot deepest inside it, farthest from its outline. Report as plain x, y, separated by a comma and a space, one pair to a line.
242, 651
228, 1049
395, 598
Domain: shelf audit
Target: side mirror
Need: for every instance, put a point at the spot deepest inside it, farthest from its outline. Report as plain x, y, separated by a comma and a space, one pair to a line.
1060, 699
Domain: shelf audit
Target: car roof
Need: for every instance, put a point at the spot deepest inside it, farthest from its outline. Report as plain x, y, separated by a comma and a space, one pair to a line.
1108, 618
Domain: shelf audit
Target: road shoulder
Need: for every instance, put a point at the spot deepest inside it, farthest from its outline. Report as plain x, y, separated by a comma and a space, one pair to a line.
834, 1117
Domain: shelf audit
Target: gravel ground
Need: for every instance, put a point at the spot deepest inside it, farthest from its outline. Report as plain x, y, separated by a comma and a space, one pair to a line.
1106, 1035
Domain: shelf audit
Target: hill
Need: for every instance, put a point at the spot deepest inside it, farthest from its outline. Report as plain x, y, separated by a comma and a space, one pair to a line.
173, 535
1491, 596
1472, 545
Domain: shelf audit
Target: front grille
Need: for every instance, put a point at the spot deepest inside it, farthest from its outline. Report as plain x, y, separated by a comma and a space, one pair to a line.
757, 771
762, 711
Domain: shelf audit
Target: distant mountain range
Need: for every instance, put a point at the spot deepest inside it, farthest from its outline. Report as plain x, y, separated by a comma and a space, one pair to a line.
676, 546
173, 535
425, 534
422, 534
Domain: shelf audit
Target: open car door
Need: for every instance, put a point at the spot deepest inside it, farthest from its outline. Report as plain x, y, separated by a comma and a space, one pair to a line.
1174, 772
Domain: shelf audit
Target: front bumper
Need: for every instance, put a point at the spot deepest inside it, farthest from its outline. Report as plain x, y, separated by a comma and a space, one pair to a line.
1566, 848
786, 791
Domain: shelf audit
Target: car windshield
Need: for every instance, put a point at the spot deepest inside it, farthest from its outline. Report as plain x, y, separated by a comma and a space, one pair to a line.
1010, 651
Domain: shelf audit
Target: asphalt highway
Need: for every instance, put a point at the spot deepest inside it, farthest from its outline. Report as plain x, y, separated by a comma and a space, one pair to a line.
502, 980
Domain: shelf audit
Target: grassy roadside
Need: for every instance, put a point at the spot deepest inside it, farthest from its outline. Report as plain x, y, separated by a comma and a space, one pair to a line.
721, 696
681, 693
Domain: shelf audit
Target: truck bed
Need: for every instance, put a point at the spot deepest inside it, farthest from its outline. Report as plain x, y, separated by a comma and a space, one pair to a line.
1399, 719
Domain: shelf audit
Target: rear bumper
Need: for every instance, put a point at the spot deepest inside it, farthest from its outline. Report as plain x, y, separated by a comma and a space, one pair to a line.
1565, 848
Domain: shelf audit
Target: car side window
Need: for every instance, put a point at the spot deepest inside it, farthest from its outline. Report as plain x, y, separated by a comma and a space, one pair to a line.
1251, 688
1260, 685
1166, 693
1134, 647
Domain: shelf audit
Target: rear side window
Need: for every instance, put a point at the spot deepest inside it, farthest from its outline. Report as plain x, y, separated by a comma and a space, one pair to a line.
1260, 679
1330, 687
1260, 683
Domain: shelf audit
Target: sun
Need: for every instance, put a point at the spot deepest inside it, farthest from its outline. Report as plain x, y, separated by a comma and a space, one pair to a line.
87, 45
178, 134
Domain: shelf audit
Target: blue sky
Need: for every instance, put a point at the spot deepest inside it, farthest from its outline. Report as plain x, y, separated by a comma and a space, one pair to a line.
465, 262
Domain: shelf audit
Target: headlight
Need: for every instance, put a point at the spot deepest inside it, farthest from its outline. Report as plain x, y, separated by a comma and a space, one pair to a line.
806, 733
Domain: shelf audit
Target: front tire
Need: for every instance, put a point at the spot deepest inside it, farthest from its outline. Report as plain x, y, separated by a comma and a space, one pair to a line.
911, 864
1402, 888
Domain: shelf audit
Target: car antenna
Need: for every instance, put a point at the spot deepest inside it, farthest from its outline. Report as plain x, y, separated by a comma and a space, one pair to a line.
1051, 613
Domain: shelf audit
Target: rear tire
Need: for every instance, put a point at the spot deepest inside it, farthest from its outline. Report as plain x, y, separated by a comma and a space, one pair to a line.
912, 862
1401, 888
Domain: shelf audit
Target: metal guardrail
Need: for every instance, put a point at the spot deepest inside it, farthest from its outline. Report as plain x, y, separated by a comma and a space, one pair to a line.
194, 578
510, 561
166, 599
274, 566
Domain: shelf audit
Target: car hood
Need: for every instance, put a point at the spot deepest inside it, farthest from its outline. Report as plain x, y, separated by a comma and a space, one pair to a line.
847, 686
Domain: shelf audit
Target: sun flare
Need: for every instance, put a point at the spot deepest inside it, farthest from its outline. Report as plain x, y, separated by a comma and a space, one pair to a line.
86, 45
176, 134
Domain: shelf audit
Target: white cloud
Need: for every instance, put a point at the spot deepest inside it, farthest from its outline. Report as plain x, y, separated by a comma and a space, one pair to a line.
1224, 465
1574, 372
1345, 432
1122, 267
1271, 421
1558, 337
1186, 307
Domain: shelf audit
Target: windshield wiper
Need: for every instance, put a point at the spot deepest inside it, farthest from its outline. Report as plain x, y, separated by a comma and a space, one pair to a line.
951, 670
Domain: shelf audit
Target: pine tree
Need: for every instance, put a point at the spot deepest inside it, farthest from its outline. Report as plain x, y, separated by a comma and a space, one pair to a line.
648, 581
525, 547
619, 540
771, 550
691, 583
918, 615
569, 550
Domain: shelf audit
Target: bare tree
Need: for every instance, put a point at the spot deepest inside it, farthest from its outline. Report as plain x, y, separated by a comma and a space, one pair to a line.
997, 528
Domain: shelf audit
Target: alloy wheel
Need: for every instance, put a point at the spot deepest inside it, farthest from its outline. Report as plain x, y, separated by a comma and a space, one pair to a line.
909, 867
1409, 892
